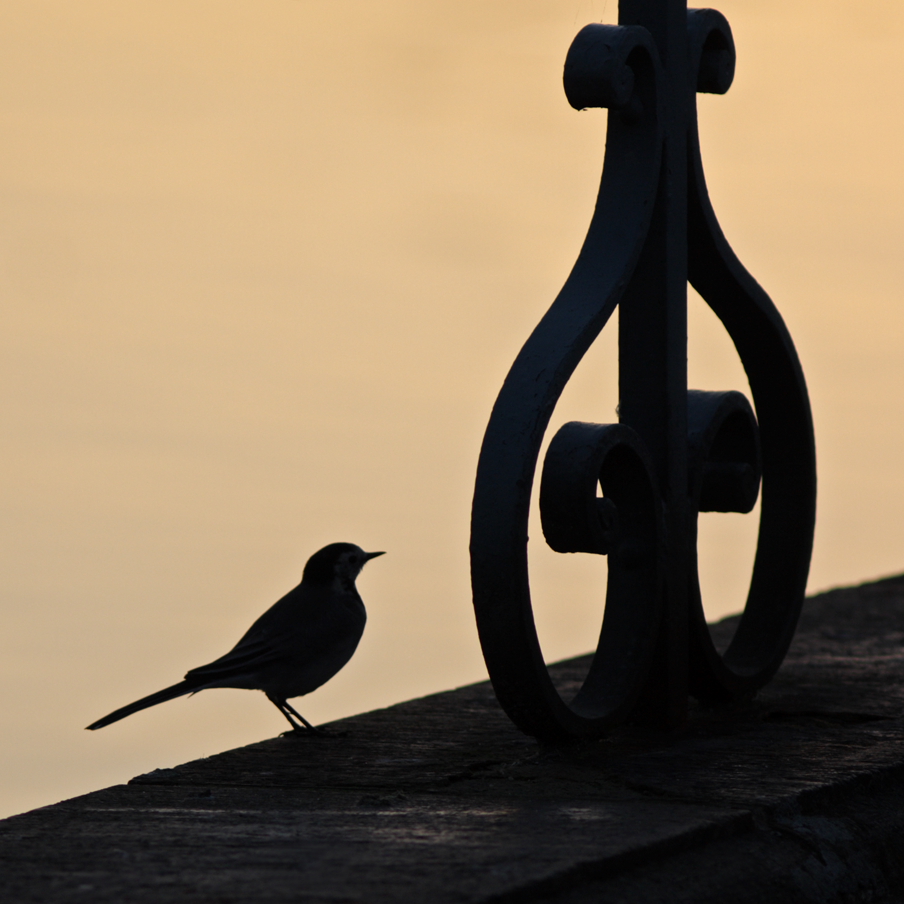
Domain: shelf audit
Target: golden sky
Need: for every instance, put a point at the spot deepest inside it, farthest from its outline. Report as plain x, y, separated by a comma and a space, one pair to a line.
263, 267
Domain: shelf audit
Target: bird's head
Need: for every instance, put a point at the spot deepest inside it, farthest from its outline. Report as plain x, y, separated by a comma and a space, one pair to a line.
340, 562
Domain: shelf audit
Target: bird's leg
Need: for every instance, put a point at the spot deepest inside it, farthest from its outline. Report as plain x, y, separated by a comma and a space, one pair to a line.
281, 706
292, 722
298, 715
285, 709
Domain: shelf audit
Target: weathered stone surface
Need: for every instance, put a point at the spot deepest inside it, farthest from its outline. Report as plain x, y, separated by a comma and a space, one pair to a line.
796, 796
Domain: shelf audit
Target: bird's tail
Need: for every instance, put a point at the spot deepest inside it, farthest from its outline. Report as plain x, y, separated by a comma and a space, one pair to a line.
168, 693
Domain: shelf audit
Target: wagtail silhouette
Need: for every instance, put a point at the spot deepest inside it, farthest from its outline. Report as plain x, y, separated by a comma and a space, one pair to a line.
298, 644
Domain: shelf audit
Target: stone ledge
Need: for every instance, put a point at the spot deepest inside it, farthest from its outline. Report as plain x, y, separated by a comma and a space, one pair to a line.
797, 796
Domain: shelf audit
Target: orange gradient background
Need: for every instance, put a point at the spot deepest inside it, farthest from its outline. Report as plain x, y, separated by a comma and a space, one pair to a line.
263, 268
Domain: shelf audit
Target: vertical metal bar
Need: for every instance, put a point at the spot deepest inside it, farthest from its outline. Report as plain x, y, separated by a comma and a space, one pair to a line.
653, 354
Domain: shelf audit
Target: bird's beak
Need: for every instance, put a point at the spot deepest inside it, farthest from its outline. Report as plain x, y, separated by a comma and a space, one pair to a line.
372, 555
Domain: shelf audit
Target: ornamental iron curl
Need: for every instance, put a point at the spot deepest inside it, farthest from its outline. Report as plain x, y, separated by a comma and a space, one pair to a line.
674, 453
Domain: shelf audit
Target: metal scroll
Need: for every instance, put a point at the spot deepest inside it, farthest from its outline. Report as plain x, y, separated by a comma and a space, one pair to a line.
632, 490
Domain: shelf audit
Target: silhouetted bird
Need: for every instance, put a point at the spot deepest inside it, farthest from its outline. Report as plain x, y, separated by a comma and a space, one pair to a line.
298, 644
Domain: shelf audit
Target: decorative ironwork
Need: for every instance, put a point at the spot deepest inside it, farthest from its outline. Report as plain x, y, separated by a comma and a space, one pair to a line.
673, 453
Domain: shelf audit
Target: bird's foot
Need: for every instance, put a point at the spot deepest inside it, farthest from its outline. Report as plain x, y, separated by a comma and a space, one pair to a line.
312, 732
297, 733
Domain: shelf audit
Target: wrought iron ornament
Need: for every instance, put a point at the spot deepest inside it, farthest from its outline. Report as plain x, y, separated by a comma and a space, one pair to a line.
674, 453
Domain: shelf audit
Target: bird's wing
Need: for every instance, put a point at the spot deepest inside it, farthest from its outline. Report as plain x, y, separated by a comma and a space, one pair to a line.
298, 626
254, 651
246, 657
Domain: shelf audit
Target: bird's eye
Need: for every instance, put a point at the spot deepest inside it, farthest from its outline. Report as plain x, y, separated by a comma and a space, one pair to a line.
353, 559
